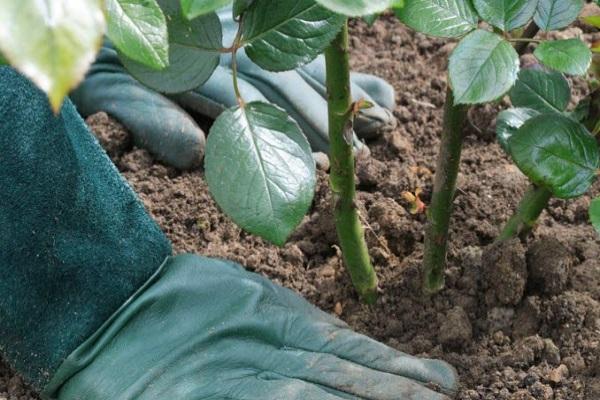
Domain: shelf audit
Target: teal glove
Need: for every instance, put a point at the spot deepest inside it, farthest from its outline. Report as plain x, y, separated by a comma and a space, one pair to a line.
89, 312
206, 329
161, 125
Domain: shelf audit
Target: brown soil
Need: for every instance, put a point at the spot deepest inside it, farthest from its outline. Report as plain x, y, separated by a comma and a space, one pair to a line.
519, 321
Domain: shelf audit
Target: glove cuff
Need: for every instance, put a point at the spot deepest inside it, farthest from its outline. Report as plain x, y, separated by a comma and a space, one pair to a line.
75, 242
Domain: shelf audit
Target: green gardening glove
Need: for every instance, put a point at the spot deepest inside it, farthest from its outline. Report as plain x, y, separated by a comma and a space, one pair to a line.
93, 306
161, 124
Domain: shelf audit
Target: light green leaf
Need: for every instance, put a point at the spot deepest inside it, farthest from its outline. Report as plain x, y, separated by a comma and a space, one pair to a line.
556, 14
260, 170
570, 56
558, 153
283, 34
195, 8
443, 18
51, 42
509, 121
543, 91
482, 68
593, 20
357, 8
193, 52
506, 14
139, 30
595, 213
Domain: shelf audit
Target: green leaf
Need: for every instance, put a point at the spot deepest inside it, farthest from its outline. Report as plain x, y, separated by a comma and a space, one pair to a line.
370, 19
570, 56
482, 68
595, 213
509, 121
139, 30
240, 6
283, 34
193, 52
506, 14
543, 91
443, 18
260, 170
195, 8
3, 60
51, 42
556, 14
357, 8
593, 20
558, 153
582, 110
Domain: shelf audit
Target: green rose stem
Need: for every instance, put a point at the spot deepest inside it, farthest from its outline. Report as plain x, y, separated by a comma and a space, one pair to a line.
350, 232
536, 199
530, 207
444, 185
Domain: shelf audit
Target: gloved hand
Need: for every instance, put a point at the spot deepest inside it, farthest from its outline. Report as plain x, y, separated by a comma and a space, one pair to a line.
203, 328
162, 125
89, 312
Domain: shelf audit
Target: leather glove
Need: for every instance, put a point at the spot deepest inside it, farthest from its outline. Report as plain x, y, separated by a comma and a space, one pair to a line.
161, 124
94, 307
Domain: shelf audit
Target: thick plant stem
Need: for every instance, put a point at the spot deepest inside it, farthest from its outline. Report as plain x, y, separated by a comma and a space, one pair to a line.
350, 232
531, 206
444, 186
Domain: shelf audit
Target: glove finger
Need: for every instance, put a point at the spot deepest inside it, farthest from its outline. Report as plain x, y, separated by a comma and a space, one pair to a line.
217, 94
369, 121
156, 123
365, 86
378, 89
346, 376
269, 385
362, 350
289, 91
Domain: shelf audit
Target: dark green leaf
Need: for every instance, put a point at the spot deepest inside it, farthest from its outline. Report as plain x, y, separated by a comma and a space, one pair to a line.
570, 56
53, 42
543, 91
356, 8
556, 14
193, 52
139, 30
443, 18
3, 60
283, 34
595, 213
195, 8
509, 121
370, 19
260, 170
482, 68
558, 153
239, 6
506, 14
582, 110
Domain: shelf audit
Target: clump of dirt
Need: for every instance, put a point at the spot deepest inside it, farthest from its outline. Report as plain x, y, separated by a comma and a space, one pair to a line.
519, 320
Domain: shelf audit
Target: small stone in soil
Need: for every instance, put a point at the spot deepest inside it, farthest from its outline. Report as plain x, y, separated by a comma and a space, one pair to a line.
456, 330
504, 272
549, 264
